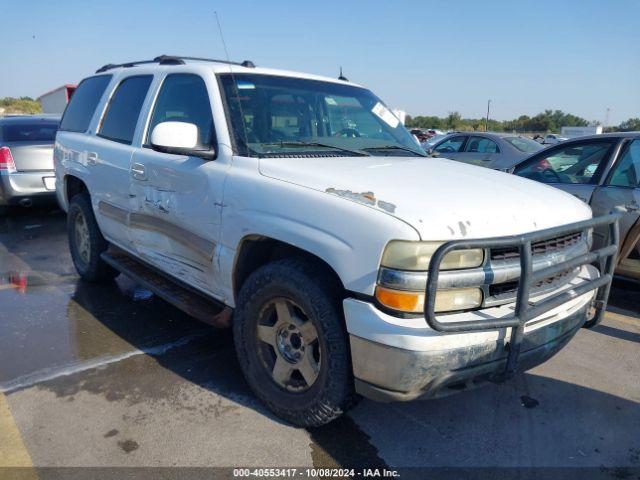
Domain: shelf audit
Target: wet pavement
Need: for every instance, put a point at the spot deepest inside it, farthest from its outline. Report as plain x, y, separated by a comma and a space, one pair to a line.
110, 375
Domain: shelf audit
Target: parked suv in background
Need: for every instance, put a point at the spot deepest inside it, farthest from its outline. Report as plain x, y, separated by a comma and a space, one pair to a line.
26, 159
350, 263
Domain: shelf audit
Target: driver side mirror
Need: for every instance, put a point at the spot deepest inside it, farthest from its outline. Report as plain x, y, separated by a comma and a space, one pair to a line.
179, 138
433, 153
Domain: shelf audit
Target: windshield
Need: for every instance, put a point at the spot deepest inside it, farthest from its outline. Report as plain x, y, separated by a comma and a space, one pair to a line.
284, 116
27, 132
524, 144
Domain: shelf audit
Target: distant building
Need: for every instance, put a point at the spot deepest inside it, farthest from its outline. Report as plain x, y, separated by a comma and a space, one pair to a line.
56, 100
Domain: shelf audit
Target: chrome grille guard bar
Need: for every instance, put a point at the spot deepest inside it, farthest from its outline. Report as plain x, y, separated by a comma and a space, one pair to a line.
524, 309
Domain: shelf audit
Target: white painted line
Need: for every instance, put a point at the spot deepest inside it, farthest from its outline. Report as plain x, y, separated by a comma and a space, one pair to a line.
72, 368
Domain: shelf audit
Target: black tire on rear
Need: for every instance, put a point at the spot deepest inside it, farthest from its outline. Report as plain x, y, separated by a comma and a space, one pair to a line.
309, 287
95, 269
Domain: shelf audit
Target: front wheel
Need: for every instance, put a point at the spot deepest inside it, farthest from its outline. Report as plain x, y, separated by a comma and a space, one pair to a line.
291, 343
86, 242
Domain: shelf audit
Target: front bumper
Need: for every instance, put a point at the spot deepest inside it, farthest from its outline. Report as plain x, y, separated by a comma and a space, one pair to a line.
404, 359
18, 186
387, 374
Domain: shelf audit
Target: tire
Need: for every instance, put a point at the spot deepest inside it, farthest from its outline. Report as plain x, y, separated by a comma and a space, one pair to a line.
307, 296
591, 321
86, 243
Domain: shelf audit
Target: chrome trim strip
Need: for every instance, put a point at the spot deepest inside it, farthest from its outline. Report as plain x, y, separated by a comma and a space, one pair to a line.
142, 221
181, 235
114, 213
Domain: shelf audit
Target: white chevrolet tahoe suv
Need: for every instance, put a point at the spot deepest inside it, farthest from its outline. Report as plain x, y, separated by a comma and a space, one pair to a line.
347, 262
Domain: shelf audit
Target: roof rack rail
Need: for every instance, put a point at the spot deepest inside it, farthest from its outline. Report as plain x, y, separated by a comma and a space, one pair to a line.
172, 60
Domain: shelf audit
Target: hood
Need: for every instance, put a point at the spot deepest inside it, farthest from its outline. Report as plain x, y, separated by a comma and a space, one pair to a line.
442, 199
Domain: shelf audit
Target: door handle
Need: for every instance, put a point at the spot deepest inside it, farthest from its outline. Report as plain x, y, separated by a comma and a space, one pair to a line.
138, 171
92, 158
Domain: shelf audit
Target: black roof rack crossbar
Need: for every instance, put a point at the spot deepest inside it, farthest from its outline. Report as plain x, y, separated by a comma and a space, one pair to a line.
172, 60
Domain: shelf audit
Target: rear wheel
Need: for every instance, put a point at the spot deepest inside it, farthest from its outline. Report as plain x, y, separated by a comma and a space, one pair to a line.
86, 242
292, 345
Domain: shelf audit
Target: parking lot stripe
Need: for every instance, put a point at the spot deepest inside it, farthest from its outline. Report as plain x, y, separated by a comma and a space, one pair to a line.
13, 453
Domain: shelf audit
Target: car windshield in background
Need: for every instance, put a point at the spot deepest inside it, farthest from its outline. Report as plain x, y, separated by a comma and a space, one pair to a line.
27, 132
284, 116
523, 144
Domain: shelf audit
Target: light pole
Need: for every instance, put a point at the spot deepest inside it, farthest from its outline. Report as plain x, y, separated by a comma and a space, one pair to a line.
486, 122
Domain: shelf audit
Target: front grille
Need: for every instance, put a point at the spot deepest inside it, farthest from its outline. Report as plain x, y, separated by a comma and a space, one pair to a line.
544, 247
509, 288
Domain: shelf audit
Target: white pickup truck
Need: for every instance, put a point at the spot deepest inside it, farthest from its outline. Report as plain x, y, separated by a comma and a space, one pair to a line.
347, 262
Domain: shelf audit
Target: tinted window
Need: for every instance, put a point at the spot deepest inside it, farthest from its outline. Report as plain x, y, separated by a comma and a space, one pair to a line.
481, 145
121, 117
575, 163
28, 132
83, 103
454, 144
523, 144
627, 171
184, 98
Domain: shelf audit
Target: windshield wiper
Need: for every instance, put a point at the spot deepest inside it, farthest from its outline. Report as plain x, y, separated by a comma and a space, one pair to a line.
318, 144
395, 147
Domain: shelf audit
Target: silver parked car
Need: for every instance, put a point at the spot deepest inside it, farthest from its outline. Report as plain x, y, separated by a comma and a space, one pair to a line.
499, 151
603, 171
26, 159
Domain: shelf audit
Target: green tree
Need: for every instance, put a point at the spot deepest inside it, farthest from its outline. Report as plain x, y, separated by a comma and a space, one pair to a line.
630, 125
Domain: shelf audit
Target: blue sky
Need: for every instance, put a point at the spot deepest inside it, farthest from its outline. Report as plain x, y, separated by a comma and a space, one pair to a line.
427, 57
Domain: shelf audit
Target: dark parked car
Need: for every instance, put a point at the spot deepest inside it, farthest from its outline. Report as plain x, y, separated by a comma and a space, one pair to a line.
499, 151
604, 171
26, 160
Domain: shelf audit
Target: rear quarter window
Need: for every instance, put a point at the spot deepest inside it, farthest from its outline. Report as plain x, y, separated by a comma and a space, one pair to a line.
79, 111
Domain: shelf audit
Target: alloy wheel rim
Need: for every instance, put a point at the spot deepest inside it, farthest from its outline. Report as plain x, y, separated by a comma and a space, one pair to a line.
289, 345
82, 238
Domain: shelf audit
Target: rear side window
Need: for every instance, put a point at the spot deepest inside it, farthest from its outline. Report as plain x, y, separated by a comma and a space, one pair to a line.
184, 98
27, 132
481, 145
83, 103
120, 119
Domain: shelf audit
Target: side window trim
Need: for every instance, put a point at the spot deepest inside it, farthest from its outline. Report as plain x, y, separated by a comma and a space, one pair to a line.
144, 139
107, 103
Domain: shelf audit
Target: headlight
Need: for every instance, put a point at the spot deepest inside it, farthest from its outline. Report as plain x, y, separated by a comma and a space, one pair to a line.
446, 300
407, 255
403, 257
